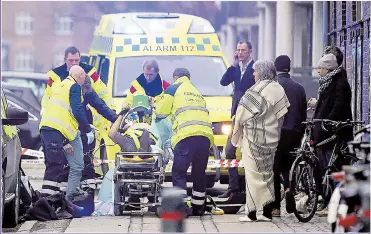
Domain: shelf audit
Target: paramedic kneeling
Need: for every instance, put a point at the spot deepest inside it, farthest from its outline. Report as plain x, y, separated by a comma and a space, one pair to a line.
192, 135
63, 117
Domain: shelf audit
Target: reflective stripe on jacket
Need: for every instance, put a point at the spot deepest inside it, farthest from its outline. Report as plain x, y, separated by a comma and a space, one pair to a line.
135, 136
58, 113
60, 73
187, 109
137, 88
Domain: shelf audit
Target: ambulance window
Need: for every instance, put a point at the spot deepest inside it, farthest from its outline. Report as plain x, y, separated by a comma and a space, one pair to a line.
103, 72
93, 59
206, 72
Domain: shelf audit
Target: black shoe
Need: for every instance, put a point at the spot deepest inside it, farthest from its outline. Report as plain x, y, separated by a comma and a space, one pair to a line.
227, 194
290, 202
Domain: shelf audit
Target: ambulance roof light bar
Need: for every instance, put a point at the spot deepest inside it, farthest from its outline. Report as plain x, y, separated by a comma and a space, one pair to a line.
201, 26
127, 26
158, 16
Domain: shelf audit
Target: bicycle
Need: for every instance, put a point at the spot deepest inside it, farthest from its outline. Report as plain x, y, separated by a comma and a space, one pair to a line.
303, 184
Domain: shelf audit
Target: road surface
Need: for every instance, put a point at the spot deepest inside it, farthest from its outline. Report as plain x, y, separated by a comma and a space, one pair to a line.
151, 223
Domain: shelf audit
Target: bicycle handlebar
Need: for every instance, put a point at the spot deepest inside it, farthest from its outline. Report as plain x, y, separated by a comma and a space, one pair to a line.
332, 122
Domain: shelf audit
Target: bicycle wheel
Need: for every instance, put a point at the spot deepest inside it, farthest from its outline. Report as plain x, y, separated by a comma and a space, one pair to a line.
303, 188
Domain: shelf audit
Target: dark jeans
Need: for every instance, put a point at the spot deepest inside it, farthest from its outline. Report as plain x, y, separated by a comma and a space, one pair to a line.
283, 160
235, 184
324, 156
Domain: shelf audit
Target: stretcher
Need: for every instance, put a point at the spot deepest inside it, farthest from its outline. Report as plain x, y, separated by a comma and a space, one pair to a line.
137, 176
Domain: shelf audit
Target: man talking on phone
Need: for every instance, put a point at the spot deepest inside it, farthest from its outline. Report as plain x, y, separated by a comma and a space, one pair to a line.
241, 74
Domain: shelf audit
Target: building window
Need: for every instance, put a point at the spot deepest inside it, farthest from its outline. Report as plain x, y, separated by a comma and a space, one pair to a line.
343, 13
4, 56
23, 23
63, 24
357, 11
24, 61
334, 15
58, 60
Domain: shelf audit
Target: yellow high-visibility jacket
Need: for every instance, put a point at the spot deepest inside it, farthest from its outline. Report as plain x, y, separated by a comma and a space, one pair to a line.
157, 88
187, 109
58, 113
60, 73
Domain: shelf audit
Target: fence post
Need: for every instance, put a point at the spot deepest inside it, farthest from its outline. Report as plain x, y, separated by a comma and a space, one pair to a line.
173, 210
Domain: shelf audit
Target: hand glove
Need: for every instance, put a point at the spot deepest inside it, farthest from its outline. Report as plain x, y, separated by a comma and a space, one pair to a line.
68, 149
125, 106
312, 102
90, 136
94, 129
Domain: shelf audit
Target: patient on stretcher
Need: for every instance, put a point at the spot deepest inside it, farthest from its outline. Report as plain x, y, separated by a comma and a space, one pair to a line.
134, 136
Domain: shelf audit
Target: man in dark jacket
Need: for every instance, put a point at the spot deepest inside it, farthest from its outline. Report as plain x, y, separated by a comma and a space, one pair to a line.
291, 131
334, 103
241, 74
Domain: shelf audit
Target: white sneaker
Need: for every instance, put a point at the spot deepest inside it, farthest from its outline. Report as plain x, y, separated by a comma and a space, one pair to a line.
245, 219
263, 218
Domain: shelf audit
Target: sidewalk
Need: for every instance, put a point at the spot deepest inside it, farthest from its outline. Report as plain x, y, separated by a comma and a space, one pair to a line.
151, 224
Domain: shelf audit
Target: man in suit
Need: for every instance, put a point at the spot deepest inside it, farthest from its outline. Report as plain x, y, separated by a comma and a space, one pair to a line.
241, 74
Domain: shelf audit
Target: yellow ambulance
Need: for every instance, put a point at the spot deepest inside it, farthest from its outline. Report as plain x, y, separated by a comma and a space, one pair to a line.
122, 42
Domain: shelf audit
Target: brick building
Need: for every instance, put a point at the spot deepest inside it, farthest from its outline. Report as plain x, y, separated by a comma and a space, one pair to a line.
348, 27
35, 34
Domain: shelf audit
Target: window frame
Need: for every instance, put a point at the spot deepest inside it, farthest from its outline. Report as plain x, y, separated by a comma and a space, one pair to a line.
60, 22
26, 57
23, 23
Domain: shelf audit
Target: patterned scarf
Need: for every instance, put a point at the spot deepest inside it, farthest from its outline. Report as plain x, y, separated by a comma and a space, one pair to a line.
325, 81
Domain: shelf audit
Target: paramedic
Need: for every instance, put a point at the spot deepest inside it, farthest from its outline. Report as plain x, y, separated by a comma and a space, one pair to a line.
60, 123
149, 82
56, 75
192, 135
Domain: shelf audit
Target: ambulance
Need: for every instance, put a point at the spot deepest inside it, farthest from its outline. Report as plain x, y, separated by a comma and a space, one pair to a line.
122, 42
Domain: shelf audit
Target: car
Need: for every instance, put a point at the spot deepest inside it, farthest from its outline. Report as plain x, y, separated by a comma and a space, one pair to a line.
23, 98
36, 81
25, 93
11, 161
29, 133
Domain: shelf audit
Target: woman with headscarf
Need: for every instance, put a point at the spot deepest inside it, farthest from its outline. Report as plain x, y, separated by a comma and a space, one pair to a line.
257, 129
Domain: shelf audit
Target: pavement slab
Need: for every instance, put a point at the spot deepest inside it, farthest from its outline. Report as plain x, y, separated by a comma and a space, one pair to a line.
150, 223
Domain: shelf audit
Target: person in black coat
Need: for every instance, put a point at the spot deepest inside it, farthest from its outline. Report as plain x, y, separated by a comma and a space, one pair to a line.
334, 103
241, 74
291, 132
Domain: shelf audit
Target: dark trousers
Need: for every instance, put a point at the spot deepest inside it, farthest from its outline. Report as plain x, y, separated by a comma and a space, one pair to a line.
56, 164
235, 184
283, 159
193, 150
324, 156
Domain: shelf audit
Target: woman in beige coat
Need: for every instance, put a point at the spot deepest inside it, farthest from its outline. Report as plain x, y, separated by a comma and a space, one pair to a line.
257, 131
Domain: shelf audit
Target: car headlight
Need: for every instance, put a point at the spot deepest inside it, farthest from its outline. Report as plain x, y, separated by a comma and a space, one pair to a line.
227, 129
222, 128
